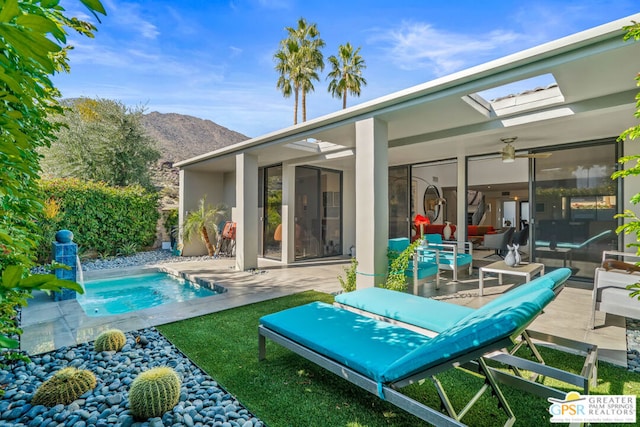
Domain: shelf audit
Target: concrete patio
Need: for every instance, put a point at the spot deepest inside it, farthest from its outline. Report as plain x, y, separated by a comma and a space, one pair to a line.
49, 325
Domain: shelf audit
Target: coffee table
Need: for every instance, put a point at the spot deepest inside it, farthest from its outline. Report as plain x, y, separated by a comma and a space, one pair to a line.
525, 269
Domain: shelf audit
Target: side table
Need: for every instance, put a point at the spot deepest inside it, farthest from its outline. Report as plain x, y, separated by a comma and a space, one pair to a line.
526, 270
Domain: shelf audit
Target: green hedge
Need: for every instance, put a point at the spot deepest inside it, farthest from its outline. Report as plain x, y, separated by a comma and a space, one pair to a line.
108, 220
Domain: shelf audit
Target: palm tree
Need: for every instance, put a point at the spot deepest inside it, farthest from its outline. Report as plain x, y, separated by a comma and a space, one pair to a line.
200, 221
298, 62
288, 65
346, 73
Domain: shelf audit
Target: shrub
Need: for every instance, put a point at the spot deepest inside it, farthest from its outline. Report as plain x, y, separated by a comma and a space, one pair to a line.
110, 340
105, 219
154, 392
399, 262
349, 282
65, 386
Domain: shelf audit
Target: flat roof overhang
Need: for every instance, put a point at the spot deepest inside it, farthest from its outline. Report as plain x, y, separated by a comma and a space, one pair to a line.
595, 71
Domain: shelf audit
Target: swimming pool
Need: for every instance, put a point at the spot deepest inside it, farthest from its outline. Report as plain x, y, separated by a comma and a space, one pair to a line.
117, 295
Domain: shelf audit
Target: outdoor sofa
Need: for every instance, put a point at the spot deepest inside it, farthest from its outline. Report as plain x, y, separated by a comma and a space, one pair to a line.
382, 358
610, 293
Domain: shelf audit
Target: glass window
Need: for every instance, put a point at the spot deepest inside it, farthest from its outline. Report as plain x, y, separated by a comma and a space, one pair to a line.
272, 222
575, 201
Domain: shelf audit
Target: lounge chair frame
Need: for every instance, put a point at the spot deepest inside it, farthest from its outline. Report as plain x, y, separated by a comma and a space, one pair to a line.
391, 391
587, 378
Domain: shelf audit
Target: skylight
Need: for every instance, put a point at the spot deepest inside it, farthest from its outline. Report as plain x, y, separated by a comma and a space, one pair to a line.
520, 87
517, 97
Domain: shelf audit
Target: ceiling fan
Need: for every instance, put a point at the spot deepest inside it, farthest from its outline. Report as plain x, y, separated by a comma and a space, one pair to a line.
509, 152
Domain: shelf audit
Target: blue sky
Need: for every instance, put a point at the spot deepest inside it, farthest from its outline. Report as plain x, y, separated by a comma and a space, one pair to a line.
214, 59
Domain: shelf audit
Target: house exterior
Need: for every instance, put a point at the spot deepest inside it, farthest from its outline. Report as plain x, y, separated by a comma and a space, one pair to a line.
344, 183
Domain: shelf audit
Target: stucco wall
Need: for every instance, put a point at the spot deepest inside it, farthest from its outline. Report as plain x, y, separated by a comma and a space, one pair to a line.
194, 186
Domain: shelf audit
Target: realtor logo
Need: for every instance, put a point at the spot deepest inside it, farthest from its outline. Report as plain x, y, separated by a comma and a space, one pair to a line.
593, 408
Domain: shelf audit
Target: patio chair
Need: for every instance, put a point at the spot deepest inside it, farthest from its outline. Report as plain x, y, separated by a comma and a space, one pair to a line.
420, 270
383, 358
452, 256
432, 317
498, 241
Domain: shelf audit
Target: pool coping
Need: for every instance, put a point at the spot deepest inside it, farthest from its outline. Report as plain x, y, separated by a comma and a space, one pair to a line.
132, 271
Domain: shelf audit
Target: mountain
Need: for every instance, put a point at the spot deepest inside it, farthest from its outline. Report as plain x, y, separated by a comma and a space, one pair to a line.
182, 137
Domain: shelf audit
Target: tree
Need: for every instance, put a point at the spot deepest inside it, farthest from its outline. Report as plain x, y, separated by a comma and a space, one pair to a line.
633, 221
346, 73
632, 224
101, 140
203, 222
32, 35
298, 62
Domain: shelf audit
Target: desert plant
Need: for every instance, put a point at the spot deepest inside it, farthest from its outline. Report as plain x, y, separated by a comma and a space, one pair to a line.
154, 392
399, 262
349, 282
65, 386
127, 249
110, 340
203, 222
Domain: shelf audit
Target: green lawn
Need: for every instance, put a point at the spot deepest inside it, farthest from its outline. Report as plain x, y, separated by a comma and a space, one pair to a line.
287, 390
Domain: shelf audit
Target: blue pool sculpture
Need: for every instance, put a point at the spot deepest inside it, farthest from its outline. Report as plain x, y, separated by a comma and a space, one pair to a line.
65, 251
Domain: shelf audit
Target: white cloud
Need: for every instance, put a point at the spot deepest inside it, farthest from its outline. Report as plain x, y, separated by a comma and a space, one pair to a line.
235, 51
414, 46
131, 17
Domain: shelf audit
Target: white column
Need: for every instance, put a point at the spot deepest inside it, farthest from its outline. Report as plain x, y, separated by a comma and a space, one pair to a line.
461, 203
246, 212
372, 201
288, 213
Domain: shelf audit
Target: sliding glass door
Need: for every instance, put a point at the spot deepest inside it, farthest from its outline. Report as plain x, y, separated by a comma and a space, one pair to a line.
318, 213
271, 206
575, 201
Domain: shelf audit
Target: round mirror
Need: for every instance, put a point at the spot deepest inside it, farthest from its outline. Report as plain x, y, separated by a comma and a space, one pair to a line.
431, 202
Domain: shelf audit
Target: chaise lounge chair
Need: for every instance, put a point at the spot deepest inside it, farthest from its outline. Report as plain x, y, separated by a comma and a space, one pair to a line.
432, 317
382, 358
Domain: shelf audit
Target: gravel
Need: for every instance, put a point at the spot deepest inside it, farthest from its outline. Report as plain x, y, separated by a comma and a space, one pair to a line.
202, 400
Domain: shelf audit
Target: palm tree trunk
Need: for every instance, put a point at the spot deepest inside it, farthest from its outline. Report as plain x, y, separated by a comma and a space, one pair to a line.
344, 99
295, 106
207, 242
304, 105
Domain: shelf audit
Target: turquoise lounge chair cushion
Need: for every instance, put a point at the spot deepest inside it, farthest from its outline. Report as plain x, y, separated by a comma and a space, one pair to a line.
363, 344
434, 315
559, 276
425, 269
477, 330
446, 257
426, 313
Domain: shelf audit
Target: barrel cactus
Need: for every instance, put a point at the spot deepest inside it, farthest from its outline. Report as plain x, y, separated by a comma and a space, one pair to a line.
154, 392
65, 386
111, 340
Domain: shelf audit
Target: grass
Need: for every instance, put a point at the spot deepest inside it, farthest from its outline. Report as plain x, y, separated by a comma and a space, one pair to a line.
287, 390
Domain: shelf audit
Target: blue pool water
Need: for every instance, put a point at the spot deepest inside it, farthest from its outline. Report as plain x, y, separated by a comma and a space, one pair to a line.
119, 295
